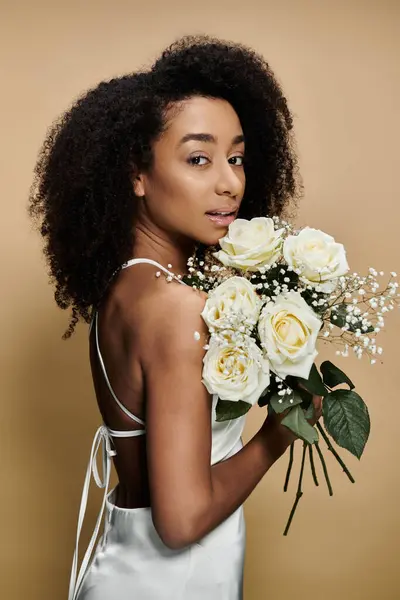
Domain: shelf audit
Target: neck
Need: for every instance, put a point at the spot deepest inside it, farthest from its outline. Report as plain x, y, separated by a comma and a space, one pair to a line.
162, 249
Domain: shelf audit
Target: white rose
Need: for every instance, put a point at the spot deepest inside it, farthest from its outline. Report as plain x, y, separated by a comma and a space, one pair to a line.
320, 258
249, 245
288, 329
232, 302
235, 373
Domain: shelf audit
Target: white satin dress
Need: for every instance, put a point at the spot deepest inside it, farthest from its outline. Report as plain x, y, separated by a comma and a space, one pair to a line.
130, 561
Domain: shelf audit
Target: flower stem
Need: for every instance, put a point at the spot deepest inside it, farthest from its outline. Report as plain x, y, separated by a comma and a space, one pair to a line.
335, 454
328, 483
314, 474
299, 492
289, 469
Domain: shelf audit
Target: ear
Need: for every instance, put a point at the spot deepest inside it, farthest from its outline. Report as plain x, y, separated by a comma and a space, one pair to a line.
138, 185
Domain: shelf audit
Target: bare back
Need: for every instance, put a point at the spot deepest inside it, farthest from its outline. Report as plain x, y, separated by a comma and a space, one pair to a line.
125, 329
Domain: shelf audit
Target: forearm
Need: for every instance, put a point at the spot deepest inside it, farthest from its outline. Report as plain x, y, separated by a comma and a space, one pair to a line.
233, 480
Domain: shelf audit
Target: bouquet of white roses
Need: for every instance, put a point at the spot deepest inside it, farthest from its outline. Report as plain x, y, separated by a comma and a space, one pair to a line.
273, 293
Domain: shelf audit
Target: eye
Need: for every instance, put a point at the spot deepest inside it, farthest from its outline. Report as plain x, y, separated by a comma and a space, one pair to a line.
196, 161
238, 161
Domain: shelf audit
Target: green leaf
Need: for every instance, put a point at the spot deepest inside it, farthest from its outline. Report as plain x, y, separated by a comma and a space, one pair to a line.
347, 421
296, 422
263, 400
333, 376
227, 409
370, 329
269, 392
314, 383
305, 396
311, 295
266, 397
340, 313
309, 413
282, 403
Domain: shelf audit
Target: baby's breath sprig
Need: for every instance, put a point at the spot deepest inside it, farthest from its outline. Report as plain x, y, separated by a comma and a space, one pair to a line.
283, 224
272, 280
355, 313
205, 272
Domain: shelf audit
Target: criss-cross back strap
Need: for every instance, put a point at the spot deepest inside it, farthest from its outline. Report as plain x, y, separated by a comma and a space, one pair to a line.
129, 263
103, 368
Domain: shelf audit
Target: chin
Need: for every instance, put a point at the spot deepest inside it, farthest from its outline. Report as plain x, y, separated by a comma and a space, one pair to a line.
213, 240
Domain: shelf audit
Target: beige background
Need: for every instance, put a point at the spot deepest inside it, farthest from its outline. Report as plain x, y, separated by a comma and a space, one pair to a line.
339, 64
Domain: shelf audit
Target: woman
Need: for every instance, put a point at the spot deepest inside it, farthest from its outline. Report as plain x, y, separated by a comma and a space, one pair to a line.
132, 179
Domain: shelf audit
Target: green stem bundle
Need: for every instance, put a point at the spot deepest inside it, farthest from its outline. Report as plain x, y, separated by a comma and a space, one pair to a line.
289, 469
314, 474
325, 469
335, 454
299, 492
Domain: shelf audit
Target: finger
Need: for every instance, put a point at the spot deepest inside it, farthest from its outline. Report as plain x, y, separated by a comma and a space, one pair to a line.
317, 401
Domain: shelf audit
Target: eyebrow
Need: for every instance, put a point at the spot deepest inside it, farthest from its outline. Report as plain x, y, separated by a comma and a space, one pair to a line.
207, 137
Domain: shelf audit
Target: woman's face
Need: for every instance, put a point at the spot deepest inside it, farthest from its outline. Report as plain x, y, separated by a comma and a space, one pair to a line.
197, 181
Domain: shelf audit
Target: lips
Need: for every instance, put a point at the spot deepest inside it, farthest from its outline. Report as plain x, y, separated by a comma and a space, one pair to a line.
225, 211
221, 218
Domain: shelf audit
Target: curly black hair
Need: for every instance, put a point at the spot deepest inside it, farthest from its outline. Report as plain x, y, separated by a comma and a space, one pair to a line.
82, 195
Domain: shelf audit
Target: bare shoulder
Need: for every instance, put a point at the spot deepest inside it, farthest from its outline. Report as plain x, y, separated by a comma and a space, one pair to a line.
172, 322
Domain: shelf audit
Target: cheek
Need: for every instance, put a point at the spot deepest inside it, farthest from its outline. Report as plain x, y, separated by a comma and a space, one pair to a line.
243, 181
161, 185
179, 191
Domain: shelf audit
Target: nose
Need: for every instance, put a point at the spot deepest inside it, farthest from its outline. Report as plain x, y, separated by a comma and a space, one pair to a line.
229, 183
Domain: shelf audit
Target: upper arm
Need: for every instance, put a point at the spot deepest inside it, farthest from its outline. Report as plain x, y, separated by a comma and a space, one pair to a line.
178, 412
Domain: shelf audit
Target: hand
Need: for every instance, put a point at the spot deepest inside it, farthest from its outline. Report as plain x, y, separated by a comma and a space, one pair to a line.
317, 401
272, 424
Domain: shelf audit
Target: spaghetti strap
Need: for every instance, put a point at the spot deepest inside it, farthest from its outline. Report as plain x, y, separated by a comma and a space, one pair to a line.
95, 319
149, 261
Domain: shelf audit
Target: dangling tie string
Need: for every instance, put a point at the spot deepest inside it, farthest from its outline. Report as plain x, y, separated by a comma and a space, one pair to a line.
102, 438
